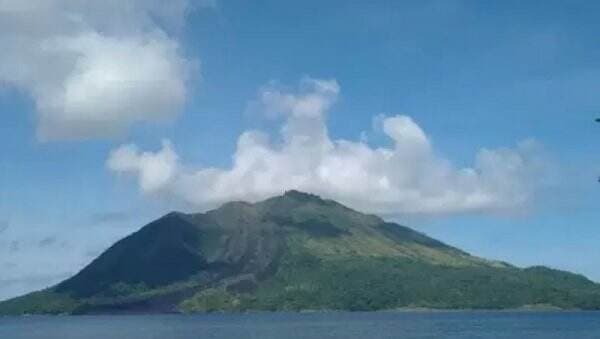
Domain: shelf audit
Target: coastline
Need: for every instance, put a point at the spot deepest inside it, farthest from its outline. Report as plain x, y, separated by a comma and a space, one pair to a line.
416, 310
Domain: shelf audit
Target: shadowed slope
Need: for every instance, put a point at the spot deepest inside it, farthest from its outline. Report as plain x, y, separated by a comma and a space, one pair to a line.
165, 251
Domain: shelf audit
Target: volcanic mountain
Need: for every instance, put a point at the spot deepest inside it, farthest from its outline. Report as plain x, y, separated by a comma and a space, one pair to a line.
296, 252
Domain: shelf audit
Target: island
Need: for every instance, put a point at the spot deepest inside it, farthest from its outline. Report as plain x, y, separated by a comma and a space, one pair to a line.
296, 252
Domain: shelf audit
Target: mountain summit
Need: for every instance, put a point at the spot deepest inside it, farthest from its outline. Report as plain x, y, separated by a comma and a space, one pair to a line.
295, 252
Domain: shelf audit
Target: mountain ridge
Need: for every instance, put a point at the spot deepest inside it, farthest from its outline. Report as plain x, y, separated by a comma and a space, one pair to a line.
296, 251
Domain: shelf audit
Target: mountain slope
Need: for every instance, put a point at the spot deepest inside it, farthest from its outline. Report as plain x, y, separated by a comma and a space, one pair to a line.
294, 252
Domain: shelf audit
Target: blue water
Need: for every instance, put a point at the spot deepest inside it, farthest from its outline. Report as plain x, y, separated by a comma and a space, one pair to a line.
544, 325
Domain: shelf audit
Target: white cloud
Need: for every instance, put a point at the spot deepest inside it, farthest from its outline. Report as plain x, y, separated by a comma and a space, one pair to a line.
94, 67
154, 170
408, 177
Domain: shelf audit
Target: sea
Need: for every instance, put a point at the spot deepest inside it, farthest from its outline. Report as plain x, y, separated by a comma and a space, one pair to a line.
426, 324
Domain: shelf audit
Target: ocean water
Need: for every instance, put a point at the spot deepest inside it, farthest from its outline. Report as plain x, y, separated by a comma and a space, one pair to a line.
518, 325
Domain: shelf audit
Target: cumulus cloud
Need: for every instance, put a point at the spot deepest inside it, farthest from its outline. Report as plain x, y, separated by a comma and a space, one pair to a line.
408, 177
93, 68
154, 170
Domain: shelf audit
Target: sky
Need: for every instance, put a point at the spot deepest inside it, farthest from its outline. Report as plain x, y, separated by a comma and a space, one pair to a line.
471, 121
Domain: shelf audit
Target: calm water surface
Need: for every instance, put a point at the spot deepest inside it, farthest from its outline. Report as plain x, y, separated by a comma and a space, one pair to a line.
545, 325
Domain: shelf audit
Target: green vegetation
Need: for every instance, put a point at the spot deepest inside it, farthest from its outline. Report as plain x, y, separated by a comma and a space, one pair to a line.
305, 282
211, 300
296, 252
42, 302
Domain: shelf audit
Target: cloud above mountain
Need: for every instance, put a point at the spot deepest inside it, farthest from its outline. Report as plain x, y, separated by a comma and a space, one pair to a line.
94, 68
408, 177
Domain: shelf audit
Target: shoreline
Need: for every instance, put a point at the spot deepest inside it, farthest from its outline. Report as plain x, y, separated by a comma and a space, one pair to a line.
414, 310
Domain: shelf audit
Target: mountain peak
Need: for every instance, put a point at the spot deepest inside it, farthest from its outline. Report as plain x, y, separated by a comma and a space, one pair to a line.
302, 196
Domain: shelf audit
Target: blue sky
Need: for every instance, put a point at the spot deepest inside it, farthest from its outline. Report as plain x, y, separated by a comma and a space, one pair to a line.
469, 75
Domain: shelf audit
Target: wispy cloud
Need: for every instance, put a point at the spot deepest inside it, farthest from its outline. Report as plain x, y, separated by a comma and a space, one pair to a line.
408, 178
14, 246
110, 217
3, 226
47, 241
